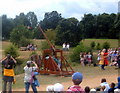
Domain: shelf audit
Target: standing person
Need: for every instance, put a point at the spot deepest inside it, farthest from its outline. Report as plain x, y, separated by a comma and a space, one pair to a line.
64, 46
8, 64
85, 59
76, 79
102, 59
67, 46
89, 58
82, 59
28, 78
105, 58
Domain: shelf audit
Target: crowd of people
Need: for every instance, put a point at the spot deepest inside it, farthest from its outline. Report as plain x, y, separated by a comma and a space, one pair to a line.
31, 70
77, 79
109, 57
31, 47
105, 57
85, 58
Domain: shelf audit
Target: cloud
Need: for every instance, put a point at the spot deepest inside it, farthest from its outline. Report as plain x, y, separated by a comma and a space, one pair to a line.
67, 8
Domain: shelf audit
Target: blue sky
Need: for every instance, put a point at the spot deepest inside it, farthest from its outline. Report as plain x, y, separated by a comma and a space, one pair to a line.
68, 8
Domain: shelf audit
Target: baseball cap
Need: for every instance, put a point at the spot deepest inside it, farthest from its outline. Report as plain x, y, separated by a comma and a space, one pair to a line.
77, 76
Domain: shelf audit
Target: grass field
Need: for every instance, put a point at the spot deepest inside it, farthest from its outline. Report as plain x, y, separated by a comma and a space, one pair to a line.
113, 42
88, 72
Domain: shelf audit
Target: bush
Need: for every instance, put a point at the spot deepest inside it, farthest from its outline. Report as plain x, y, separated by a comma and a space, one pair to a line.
12, 50
98, 47
106, 45
75, 56
92, 44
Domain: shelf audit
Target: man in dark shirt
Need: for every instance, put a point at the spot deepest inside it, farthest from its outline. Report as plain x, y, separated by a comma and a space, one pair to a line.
8, 63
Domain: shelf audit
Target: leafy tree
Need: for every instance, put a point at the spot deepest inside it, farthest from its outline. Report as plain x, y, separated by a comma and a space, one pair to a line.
67, 32
117, 27
7, 26
106, 45
21, 19
89, 25
12, 50
18, 32
37, 33
112, 32
51, 20
32, 18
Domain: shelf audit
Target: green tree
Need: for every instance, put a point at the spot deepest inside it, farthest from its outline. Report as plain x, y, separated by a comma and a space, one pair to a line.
37, 33
89, 25
21, 19
51, 20
117, 27
19, 33
67, 31
7, 26
32, 18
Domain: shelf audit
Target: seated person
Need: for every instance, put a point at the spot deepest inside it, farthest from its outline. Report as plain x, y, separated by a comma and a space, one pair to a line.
57, 61
76, 79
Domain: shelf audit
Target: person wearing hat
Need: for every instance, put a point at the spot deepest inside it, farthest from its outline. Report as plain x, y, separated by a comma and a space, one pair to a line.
77, 78
28, 78
8, 63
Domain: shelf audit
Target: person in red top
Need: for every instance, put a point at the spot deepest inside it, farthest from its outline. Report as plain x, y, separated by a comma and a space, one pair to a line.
105, 56
77, 79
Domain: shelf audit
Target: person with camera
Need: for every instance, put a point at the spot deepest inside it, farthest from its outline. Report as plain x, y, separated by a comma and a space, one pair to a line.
8, 63
28, 78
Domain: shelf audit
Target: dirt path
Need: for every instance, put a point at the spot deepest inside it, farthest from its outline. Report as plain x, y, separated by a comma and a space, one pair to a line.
92, 82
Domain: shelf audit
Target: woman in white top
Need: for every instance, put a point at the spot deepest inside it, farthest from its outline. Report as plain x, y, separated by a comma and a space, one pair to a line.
28, 79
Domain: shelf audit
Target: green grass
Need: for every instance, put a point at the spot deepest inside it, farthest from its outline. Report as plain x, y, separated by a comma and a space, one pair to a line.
88, 72
113, 42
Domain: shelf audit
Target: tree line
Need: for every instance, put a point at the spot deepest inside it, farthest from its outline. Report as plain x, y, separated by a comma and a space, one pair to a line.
69, 30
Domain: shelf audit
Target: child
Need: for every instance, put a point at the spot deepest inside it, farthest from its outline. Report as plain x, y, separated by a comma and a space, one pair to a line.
76, 79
